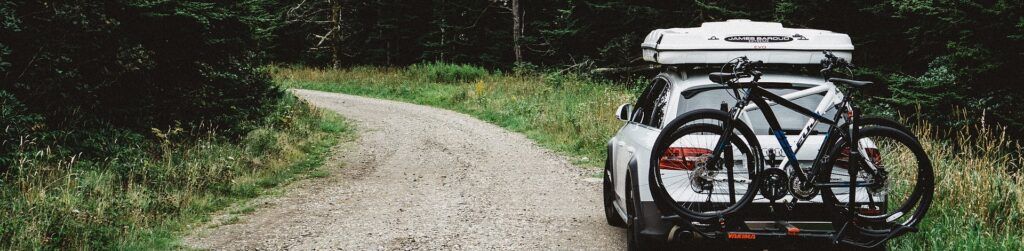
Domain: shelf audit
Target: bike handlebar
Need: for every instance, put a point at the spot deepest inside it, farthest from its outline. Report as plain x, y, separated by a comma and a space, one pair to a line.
747, 67
831, 62
743, 68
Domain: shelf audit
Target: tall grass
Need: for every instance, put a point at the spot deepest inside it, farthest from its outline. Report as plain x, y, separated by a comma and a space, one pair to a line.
979, 192
979, 198
148, 190
446, 73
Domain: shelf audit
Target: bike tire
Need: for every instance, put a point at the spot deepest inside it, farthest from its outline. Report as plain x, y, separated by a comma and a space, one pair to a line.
674, 195
908, 212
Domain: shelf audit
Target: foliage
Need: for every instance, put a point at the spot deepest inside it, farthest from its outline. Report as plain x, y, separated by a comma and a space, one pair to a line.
979, 194
447, 73
19, 128
143, 192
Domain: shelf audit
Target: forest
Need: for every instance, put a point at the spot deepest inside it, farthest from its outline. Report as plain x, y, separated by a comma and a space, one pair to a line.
96, 87
939, 58
143, 64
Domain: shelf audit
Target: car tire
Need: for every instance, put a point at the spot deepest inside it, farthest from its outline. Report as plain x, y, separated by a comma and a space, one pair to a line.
610, 213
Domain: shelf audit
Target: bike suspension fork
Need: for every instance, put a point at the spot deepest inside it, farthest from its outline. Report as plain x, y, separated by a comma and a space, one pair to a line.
728, 127
729, 161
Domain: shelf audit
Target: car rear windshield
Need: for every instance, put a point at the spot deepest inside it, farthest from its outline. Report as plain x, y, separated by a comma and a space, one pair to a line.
791, 121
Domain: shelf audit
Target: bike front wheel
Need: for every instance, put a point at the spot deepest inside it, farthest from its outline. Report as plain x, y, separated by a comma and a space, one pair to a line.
697, 185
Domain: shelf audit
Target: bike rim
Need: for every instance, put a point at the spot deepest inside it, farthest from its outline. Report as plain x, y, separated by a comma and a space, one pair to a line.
899, 199
698, 190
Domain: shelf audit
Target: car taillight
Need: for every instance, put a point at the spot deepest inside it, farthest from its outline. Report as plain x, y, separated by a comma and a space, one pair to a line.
870, 211
682, 158
844, 156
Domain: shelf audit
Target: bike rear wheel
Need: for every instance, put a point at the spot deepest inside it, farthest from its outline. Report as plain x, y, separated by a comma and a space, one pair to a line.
894, 181
693, 188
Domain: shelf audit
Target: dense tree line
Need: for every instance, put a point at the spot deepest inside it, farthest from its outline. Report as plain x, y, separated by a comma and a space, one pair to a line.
85, 73
129, 65
936, 55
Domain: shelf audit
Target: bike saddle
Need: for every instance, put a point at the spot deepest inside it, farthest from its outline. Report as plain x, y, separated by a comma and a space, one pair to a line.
722, 77
851, 83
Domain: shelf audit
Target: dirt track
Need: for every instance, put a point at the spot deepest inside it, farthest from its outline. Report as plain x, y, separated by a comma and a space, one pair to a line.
421, 178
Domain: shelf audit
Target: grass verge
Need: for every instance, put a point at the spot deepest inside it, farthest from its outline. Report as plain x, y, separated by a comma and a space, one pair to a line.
979, 196
148, 191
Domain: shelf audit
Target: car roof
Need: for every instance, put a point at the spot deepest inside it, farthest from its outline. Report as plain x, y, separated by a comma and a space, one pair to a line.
701, 79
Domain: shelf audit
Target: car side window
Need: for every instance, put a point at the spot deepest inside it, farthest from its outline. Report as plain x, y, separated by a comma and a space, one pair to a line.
650, 105
637, 115
660, 101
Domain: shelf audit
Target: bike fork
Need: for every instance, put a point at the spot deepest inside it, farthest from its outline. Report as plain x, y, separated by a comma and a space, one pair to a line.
723, 146
727, 126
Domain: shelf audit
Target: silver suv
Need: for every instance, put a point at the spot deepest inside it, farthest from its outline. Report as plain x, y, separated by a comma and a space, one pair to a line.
628, 200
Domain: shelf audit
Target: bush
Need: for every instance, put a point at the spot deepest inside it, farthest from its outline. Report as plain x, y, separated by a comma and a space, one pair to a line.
447, 73
16, 129
142, 193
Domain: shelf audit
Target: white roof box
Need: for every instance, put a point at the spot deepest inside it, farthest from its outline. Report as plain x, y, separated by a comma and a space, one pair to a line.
719, 42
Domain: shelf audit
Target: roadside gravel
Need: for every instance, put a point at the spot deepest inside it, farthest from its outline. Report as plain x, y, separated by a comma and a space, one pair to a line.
421, 178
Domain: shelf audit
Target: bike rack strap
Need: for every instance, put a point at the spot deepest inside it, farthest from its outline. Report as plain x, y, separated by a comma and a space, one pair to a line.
873, 242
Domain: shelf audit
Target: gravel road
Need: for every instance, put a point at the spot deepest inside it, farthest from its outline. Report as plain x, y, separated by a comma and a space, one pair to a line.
421, 178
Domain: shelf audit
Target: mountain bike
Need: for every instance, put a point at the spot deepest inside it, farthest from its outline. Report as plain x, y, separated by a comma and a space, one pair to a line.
871, 173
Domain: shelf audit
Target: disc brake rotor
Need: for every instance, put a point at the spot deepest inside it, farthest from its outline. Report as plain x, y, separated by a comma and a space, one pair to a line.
881, 184
703, 178
798, 191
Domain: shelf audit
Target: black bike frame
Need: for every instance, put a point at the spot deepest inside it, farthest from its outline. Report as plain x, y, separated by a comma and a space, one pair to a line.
759, 96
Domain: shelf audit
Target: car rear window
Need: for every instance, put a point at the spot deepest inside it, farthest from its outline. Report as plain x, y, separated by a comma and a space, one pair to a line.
791, 121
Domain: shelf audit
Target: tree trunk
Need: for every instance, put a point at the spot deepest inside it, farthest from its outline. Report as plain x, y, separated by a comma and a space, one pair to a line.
335, 37
517, 31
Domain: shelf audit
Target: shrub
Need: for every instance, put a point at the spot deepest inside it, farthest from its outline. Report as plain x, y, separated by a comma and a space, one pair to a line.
447, 73
142, 193
16, 129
